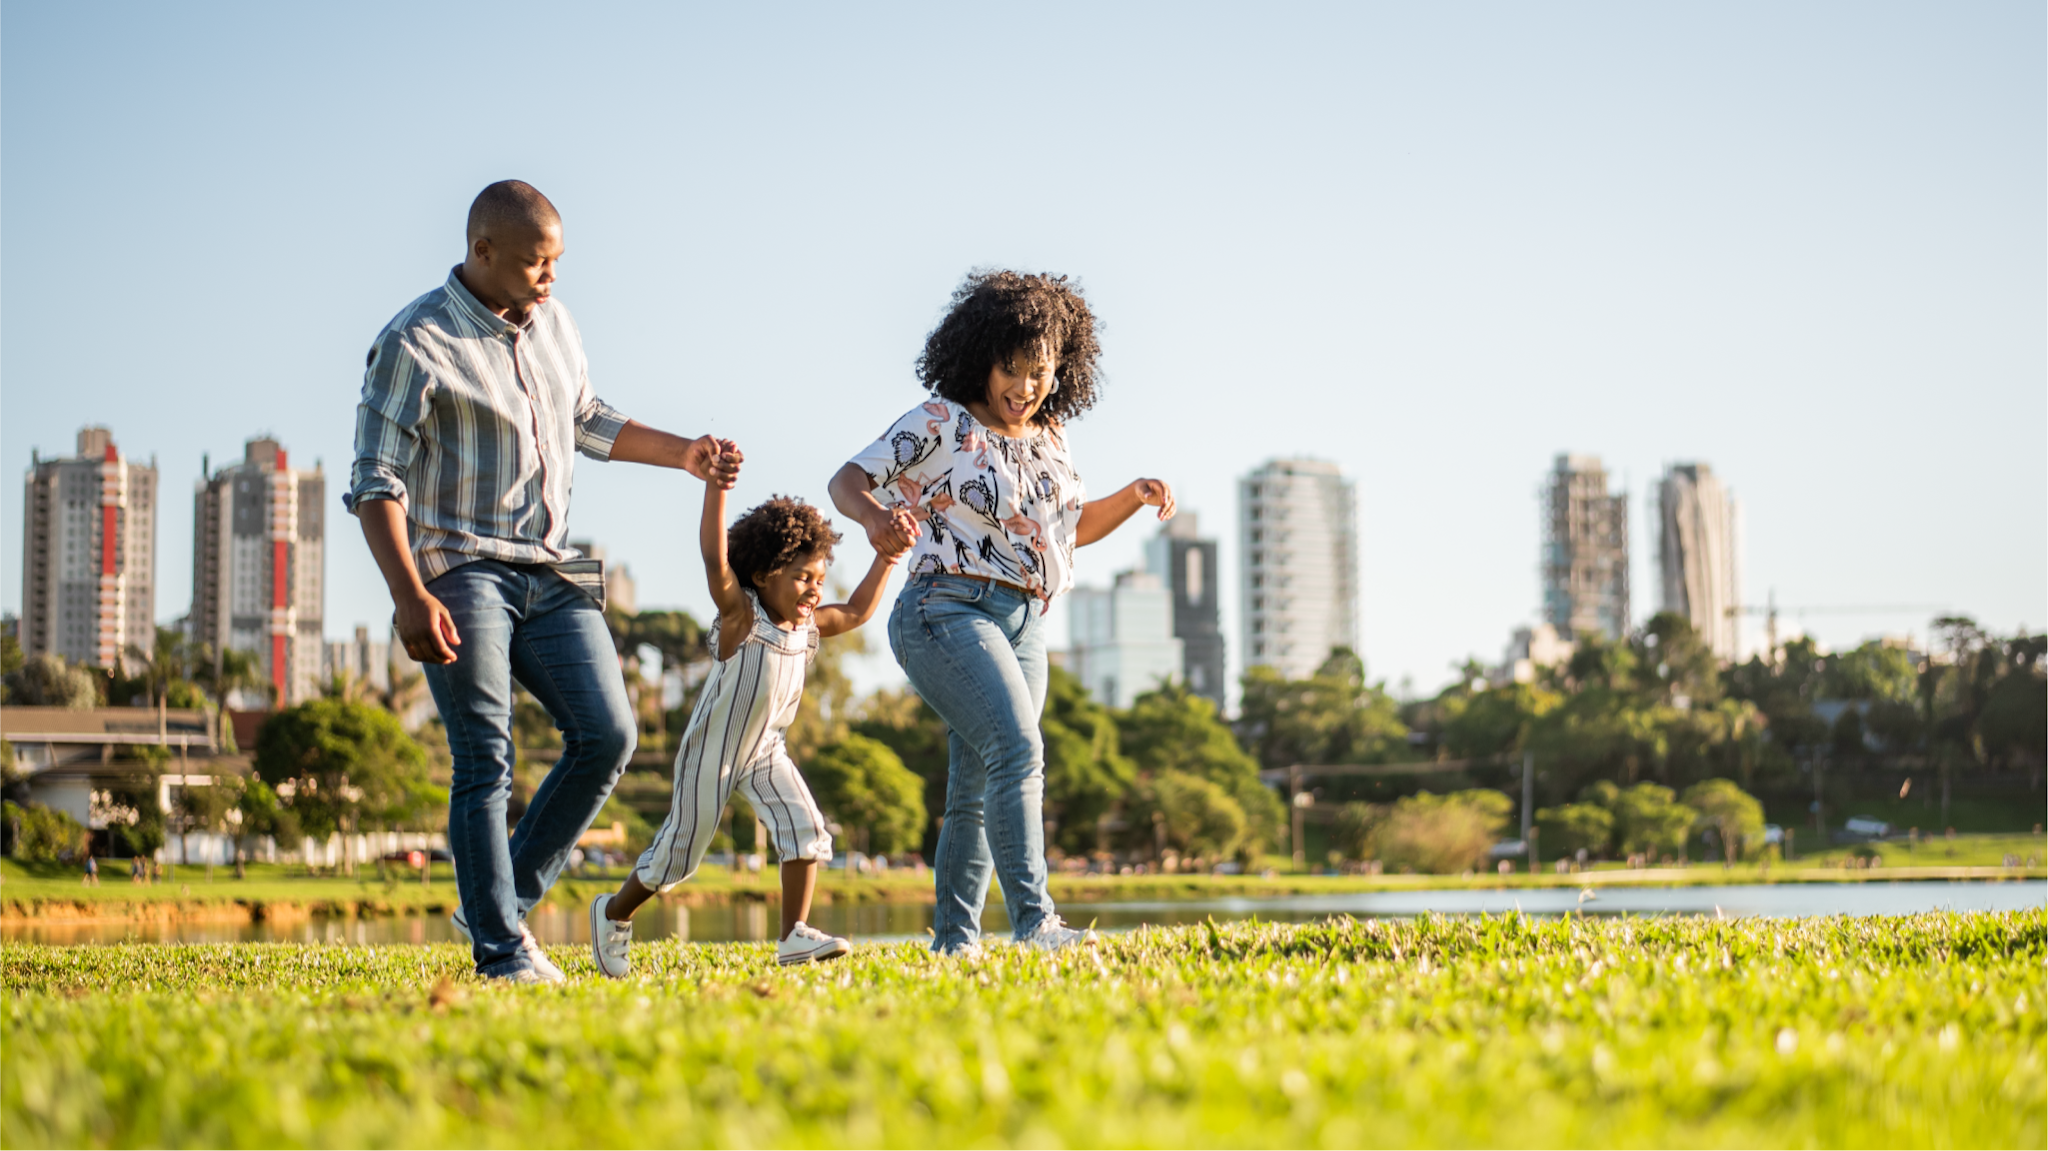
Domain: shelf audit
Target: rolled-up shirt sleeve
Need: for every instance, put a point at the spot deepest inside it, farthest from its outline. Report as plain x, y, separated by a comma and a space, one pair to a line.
388, 419
597, 426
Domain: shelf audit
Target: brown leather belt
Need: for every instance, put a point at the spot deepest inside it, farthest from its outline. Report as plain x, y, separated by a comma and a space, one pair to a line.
1026, 592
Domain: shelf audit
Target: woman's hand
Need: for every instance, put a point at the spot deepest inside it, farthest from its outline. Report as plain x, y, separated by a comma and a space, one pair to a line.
1156, 494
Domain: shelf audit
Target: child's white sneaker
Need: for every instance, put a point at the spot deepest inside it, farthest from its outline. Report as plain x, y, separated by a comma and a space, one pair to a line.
807, 944
1052, 934
609, 940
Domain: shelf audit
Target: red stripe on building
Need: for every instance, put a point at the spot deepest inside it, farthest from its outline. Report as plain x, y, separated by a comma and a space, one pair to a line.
109, 518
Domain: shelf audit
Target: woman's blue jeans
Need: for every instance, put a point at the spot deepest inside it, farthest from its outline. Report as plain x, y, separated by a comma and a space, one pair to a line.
975, 652
525, 623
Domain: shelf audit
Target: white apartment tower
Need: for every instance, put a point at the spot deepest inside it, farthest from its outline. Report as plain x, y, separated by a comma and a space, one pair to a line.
1123, 641
258, 558
88, 581
1585, 551
1298, 539
1699, 554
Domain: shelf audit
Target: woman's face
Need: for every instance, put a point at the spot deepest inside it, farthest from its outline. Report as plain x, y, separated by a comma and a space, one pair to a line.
1018, 386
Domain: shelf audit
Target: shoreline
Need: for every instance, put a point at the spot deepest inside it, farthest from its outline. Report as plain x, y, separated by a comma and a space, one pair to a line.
382, 901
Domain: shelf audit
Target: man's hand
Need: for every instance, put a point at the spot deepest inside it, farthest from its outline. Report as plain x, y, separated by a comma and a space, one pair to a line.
426, 629
893, 532
714, 461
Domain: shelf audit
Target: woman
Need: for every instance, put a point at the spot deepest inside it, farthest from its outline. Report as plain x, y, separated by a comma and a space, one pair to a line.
978, 484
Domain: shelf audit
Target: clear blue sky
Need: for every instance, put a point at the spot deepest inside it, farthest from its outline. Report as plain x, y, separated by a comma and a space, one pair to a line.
1436, 243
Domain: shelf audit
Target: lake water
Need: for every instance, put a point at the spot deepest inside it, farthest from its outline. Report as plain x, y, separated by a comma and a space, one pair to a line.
884, 922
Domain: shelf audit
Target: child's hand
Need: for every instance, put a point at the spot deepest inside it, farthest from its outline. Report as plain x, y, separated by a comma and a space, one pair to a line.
723, 468
1156, 494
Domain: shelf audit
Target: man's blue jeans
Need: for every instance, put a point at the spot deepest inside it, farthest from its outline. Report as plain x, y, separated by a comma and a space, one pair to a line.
975, 651
525, 623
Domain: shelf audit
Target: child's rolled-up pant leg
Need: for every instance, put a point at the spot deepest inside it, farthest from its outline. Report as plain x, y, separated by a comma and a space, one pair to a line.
696, 800
783, 802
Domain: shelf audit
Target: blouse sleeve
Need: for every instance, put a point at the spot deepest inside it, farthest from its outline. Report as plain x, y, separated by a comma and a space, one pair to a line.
914, 447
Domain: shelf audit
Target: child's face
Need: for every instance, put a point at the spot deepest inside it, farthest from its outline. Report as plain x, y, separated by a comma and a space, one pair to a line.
793, 592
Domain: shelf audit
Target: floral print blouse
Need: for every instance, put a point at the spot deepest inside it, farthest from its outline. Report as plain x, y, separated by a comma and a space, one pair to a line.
992, 506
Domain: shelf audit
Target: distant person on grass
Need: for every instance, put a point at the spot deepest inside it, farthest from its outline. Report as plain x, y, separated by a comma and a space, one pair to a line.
767, 577
475, 398
977, 482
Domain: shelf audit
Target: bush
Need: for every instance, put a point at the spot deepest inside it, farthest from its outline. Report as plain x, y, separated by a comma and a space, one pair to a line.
1649, 820
45, 836
1574, 827
1351, 830
864, 786
1736, 818
1441, 835
48, 681
1199, 817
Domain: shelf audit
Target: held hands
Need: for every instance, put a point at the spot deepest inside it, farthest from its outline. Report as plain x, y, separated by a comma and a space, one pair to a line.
1156, 494
892, 531
714, 461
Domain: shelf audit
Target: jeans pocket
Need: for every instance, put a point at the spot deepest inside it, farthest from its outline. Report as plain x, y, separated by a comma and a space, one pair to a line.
952, 591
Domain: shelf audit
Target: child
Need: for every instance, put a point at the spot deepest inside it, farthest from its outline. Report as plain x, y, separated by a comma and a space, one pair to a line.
767, 588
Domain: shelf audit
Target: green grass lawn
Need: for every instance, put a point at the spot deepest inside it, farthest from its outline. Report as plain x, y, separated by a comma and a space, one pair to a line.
1921, 1031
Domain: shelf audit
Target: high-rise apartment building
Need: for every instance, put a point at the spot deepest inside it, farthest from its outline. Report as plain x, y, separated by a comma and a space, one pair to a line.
1122, 638
1699, 554
258, 567
1186, 564
1298, 539
88, 579
358, 659
1585, 551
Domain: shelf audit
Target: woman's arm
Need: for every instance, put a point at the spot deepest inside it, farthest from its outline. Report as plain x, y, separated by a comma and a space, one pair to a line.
734, 616
889, 532
1103, 516
836, 618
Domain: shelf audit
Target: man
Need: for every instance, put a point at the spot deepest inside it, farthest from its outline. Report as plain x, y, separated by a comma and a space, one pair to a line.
475, 398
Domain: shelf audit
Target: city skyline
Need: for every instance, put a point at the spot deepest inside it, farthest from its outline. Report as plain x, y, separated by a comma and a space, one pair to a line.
1803, 246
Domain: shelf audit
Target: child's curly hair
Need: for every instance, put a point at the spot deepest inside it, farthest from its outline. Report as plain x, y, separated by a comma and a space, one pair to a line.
774, 534
997, 314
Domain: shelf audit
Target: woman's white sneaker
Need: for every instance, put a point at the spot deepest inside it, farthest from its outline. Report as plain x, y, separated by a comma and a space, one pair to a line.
609, 940
807, 944
1052, 934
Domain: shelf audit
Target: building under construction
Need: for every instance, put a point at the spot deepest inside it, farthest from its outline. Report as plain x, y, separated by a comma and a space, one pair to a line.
1585, 551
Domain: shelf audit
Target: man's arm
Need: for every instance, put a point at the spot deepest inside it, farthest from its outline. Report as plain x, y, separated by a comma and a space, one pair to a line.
706, 457
424, 626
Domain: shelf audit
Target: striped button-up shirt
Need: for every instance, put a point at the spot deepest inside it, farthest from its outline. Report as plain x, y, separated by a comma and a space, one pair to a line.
468, 421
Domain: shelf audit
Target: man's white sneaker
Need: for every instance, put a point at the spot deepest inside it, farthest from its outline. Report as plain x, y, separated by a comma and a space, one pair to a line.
609, 940
549, 973
525, 976
1052, 934
807, 944
966, 952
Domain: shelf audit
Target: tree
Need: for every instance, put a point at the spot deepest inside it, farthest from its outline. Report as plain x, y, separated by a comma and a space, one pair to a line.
1086, 773
1435, 834
132, 812
1736, 818
38, 834
339, 766
47, 680
1331, 717
1173, 729
911, 729
1193, 815
1650, 821
1574, 827
864, 786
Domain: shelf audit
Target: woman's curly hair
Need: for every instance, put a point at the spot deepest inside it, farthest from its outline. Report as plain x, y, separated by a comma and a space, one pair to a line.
775, 534
997, 314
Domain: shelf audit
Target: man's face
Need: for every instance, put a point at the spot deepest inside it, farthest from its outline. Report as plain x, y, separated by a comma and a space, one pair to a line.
516, 267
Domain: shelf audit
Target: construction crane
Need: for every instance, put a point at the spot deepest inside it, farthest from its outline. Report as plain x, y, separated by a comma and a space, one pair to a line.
1770, 611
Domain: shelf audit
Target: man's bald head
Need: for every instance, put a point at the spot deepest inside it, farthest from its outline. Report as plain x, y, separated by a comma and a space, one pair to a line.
510, 207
